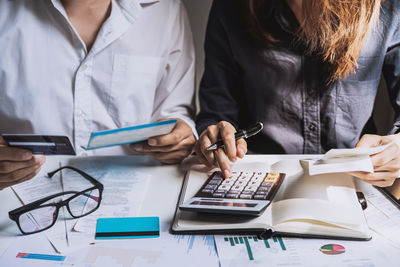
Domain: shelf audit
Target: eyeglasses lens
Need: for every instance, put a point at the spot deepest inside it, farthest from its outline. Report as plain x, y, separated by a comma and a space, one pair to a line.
37, 219
84, 203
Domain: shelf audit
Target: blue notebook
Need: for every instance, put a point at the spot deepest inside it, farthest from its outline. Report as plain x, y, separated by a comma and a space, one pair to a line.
129, 135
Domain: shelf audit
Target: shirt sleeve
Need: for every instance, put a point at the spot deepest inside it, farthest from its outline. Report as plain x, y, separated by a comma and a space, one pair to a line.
391, 70
220, 81
175, 93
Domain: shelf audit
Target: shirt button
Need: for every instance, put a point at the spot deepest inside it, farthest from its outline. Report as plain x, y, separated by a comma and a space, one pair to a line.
81, 114
312, 127
84, 67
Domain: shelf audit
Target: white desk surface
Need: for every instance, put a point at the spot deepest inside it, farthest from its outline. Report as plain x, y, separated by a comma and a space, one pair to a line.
160, 199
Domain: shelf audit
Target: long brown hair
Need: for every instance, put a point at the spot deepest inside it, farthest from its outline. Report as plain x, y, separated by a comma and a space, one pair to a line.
334, 29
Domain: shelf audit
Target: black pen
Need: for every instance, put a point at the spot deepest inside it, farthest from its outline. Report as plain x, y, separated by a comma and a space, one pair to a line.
243, 133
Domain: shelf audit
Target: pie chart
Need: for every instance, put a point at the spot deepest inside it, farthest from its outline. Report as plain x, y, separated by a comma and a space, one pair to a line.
332, 249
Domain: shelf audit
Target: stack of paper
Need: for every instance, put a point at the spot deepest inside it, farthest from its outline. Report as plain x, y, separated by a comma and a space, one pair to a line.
343, 160
124, 191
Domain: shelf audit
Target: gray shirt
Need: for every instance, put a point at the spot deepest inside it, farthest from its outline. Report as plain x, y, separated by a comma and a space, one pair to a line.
280, 85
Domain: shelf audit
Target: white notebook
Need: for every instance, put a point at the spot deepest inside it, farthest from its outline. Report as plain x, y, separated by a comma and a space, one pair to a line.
316, 206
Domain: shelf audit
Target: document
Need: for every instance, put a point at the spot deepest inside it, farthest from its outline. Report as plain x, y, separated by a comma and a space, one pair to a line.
343, 160
124, 189
251, 251
383, 217
167, 250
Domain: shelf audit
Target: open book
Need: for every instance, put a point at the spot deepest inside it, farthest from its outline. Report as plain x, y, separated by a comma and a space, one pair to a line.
316, 206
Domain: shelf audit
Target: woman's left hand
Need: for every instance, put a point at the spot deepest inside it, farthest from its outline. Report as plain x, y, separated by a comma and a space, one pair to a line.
386, 163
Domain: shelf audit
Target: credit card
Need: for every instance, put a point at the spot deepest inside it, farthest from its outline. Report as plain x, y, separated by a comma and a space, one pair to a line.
127, 227
129, 135
40, 144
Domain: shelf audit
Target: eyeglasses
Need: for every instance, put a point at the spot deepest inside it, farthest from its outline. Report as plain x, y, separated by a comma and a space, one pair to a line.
42, 214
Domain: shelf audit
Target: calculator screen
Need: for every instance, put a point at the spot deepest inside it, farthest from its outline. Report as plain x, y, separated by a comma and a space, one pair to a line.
225, 204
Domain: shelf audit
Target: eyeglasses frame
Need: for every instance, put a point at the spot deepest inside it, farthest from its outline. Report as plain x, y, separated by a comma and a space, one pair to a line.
16, 213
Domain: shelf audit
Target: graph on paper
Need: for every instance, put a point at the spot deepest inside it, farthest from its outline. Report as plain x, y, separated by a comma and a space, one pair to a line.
238, 251
192, 240
247, 242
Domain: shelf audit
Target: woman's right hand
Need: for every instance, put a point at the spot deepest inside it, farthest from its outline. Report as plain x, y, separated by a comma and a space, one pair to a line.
222, 156
17, 165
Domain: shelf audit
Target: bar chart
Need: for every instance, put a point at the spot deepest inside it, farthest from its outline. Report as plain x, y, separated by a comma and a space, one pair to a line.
248, 240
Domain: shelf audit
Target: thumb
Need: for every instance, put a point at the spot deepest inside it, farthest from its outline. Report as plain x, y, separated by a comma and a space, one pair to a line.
13, 153
241, 148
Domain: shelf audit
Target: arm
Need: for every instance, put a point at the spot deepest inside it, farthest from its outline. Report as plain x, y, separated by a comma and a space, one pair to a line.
387, 163
219, 110
174, 97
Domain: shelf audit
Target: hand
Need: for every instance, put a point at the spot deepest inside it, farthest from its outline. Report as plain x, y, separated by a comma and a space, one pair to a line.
222, 156
169, 148
17, 165
386, 163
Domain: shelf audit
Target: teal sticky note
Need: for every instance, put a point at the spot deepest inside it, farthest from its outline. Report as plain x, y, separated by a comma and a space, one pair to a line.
127, 227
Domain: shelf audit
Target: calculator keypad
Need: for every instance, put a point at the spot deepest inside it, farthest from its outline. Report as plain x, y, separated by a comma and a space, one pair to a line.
242, 185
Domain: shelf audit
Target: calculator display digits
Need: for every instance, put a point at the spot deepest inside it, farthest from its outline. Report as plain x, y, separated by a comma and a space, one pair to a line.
242, 193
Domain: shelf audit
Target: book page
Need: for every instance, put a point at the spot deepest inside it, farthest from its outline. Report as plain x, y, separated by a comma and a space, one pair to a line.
326, 201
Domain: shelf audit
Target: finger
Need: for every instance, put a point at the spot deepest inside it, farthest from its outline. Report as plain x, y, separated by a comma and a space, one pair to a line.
381, 183
369, 140
14, 154
18, 174
223, 162
376, 176
26, 178
199, 154
11, 166
180, 132
391, 166
227, 133
205, 142
382, 158
241, 145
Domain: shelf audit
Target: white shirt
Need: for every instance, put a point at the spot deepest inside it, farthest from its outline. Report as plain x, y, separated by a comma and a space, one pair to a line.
139, 70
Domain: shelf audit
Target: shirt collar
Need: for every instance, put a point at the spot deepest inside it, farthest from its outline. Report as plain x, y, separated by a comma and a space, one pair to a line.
132, 7
148, 1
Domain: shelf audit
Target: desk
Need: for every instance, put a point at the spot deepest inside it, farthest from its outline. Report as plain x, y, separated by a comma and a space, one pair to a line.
160, 199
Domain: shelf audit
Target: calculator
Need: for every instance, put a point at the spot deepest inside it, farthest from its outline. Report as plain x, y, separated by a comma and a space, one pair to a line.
247, 193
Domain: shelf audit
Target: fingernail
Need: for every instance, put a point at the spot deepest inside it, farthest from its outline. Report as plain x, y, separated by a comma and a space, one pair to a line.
152, 142
138, 147
227, 173
27, 155
241, 152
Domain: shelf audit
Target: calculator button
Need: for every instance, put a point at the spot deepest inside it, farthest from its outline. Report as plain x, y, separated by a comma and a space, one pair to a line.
247, 192
251, 188
267, 184
224, 187
211, 186
244, 178
258, 178
240, 183
255, 183
271, 177
236, 173
260, 196
237, 187
219, 195
246, 196
231, 195
208, 191
215, 181
220, 191
229, 181
264, 188
234, 191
